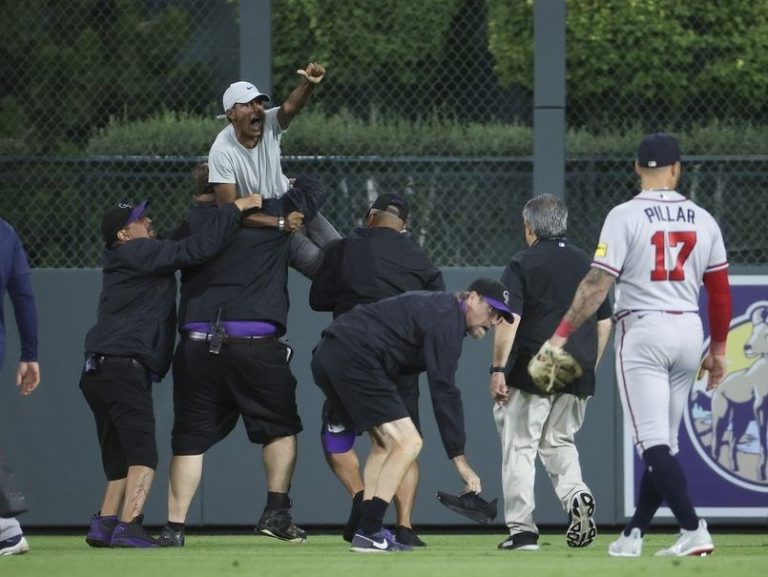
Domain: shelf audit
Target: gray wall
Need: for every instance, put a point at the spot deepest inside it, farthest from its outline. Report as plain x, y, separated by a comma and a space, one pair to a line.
49, 437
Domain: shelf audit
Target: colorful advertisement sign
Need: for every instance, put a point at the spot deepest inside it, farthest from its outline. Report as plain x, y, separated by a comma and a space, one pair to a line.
723, 438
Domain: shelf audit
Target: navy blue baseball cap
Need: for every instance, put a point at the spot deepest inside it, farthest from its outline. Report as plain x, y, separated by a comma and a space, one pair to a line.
657, 150
495, 294
116, 219
392, 204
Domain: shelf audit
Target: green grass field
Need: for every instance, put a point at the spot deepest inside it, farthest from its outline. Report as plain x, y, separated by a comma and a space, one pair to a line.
447, 555
472, 555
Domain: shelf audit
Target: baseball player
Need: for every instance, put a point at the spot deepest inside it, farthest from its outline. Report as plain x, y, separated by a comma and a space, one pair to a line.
245, 159
658, 247
15, 277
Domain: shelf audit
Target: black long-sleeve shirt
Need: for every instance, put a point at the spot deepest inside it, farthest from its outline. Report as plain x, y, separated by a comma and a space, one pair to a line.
414, 332
369, 265
137, 307
249, 280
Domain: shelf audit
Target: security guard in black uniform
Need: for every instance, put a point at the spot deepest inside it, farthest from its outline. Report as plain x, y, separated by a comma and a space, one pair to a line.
230, 362
373, 263
129, 346
542, 280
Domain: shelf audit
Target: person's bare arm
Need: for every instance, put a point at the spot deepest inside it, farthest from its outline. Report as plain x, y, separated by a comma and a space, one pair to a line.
503, 339
311, 77
589, 296
226, 193
467, 474
27, 377
603, 333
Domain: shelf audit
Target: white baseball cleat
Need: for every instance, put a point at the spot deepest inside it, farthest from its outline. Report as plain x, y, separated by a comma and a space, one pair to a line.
16, 545
696, 543
627, 546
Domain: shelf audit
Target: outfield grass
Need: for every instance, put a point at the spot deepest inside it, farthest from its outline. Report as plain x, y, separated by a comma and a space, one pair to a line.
737, 555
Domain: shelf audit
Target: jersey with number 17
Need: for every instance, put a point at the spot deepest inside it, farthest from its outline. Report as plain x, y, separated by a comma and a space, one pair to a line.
659, 245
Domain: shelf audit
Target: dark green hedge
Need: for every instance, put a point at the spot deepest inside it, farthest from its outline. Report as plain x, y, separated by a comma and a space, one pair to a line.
173, 134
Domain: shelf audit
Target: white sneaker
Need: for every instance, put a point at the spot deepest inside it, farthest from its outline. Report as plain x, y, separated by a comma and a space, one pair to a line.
13, 546
627, 546
696, 542
581, 529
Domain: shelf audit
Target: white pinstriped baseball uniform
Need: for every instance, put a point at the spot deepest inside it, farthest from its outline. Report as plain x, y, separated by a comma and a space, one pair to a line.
659, 245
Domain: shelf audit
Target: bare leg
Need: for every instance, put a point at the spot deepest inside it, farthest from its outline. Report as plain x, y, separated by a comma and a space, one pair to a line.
405, 496
185, 474
346, 467
113, 498
395, 447
279, 458
137, 485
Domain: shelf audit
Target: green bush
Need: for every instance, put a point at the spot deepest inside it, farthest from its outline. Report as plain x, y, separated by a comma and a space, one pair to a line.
315, 134
168, 134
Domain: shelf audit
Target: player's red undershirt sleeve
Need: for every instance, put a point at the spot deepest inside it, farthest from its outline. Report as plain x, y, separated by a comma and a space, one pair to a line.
719, 293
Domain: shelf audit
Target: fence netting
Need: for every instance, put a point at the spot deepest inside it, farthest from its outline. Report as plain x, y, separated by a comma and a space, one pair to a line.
71, 67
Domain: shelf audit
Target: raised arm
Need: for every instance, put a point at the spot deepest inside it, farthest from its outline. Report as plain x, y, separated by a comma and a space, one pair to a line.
311, 77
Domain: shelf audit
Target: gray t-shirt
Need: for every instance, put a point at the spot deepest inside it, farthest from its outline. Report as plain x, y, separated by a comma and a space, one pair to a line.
254, 170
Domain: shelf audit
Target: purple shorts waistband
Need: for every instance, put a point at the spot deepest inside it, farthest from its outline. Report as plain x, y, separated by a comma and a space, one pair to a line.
236, 328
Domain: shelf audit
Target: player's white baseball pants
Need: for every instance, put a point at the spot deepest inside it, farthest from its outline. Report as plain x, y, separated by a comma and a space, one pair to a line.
528, 424
9, 527
657, 356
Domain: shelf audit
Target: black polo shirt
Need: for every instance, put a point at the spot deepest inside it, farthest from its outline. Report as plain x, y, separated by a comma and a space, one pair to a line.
542, 281
369, 265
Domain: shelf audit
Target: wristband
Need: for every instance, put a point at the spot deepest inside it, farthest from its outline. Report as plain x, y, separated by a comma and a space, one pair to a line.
564, 329
493, 369
281, 223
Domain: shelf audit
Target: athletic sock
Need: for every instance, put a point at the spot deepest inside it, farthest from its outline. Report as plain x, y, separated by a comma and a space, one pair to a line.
278, 501
373, 515
353, 522
175, 526
668, 476
648, 502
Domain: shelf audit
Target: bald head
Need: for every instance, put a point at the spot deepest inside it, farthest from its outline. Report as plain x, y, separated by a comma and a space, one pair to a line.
385, 219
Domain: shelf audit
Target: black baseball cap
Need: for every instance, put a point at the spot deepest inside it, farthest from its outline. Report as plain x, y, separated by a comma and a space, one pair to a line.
116, 219
495, 294
399, 206
657, 150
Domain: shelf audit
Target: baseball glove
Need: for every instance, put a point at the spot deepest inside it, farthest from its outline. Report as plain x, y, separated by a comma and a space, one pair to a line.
553, 369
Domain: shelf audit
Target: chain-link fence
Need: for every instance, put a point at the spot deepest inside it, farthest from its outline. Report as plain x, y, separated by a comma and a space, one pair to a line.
393, 66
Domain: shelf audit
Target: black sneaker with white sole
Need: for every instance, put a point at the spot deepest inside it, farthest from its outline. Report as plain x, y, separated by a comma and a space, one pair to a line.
523, 541
581, 529
277, 523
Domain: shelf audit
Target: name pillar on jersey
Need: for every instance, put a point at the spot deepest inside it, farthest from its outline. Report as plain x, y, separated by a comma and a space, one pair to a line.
658, 213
